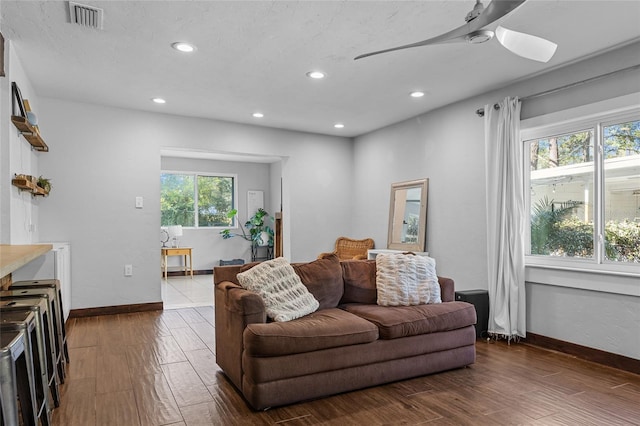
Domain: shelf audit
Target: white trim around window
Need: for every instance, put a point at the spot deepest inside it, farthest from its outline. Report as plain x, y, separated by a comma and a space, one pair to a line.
590, 274
214, 174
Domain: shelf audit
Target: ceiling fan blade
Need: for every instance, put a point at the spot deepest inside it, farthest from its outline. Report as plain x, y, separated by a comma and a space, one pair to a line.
451, 36
526, 45
493, 12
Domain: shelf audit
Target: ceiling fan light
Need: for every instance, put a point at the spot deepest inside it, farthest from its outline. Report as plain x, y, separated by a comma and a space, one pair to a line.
316, 75
479, 36
526, 45
183, 46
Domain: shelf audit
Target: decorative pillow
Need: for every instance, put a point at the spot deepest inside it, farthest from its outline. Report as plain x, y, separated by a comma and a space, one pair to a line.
359, 281
406, 279
284, 295
323, 278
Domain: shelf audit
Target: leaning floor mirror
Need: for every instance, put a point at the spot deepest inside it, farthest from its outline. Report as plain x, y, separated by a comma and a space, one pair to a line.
408, 216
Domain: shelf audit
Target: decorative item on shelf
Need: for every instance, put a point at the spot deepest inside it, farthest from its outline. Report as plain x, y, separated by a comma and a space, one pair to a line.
1, 55
36, 186
44, 183
25, 120
164, 236
17, 104
175, 231
31, 117
23, 177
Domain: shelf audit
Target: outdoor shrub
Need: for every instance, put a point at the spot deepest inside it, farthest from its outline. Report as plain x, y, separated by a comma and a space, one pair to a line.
623, 241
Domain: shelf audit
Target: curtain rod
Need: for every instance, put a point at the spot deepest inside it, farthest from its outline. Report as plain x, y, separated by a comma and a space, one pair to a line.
480, 111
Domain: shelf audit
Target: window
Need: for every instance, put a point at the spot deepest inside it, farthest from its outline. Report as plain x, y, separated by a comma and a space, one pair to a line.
622, 191
584, 191
561, 187
196, 200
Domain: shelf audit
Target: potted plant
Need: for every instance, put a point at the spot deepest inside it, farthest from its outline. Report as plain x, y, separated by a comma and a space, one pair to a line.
255, 230
44, 183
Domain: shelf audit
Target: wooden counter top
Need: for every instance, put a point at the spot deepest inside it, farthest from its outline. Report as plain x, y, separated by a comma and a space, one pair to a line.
13, 257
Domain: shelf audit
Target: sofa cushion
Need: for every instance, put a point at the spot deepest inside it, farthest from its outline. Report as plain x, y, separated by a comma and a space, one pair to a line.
406, 279
359, 281
285, 297
401, 321
324, 329
323, 278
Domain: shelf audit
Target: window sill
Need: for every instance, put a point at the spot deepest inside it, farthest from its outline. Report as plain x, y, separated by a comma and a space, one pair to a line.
585, 275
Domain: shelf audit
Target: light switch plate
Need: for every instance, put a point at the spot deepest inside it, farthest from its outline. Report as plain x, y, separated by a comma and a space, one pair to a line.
139, 202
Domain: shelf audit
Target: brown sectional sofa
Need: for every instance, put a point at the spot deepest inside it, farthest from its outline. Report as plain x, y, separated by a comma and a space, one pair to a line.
348, 343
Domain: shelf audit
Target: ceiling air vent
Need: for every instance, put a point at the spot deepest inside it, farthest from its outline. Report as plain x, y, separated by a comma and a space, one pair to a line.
87, 16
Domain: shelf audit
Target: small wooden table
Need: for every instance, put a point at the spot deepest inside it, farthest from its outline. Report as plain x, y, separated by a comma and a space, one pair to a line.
177, 251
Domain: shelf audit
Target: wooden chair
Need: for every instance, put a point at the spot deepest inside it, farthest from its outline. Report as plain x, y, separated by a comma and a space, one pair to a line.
348, 248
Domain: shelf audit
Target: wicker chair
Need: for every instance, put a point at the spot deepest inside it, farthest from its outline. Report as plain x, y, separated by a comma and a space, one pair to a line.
347, 248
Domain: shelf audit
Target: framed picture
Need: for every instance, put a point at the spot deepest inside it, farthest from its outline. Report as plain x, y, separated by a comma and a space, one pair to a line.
255, 201
1, 55
17, 101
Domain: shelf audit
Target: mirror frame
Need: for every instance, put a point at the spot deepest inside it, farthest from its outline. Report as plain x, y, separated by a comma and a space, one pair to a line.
423, 184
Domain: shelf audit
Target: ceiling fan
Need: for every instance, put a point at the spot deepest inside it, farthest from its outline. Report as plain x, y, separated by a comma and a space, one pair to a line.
525, 45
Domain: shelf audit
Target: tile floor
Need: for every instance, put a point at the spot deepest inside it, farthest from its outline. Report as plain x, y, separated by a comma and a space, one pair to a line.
185, 292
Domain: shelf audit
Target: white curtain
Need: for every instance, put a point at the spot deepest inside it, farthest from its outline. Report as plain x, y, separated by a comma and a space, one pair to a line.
505, 219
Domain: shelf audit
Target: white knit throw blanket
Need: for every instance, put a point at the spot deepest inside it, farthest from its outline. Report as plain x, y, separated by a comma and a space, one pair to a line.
406, 279
284, 295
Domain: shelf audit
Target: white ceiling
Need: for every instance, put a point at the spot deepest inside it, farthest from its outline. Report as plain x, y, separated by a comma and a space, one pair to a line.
253, 55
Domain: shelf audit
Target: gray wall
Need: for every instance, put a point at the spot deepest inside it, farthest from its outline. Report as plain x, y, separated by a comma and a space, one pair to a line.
18, 209
101, 158
447, 146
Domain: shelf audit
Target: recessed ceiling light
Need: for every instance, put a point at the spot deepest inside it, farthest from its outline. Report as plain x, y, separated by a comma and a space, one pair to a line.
258, 114
339, 126
317, 75
183, 47
159, 100
417, 94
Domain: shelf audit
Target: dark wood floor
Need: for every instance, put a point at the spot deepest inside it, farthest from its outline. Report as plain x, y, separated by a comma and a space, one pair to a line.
158, 368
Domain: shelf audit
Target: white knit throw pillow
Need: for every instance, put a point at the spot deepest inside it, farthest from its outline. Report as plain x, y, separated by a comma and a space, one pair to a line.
284, 295
406, 279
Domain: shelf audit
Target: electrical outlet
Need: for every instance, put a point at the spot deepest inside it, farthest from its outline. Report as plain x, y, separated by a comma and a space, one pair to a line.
128, 270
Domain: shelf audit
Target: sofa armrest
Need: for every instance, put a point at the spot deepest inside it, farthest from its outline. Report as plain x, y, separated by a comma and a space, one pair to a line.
447, 290
235, 308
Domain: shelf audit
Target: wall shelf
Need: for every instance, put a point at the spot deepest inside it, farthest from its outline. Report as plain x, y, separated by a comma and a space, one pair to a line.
30, 133
27, 185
